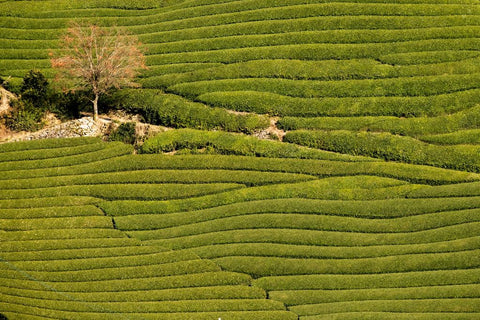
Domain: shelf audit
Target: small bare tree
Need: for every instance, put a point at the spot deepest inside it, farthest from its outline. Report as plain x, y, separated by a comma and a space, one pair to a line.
96, 59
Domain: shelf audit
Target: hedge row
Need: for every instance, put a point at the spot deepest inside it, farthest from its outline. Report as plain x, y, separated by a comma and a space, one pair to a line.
140, 307
453, 305
167, 75
206, 279
330, 36
173, 111
123, 191
50, 152
404, 126
313, 237
156, 71
151, 29
63, 245
129, 248
295, 297
471, 136
120, 273
50, 212
278, 68
365, 315
61, 234
113, 149
314, 51
50, 144
55, 223
60, 201
329, 252
159, 46
427, 57
235, 12
323, 168
267, 266
425, 205
454, 190
299, 51
405, 86
143, 217
279, 105
91, 263
25, 312
249, 178
201, 293
389, 147
227, 143
303, 221
370, 281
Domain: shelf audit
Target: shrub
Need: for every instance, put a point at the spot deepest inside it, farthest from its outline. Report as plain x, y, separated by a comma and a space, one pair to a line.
390, 147
35, 90
125, 133
173, 111
228, 143
24, 116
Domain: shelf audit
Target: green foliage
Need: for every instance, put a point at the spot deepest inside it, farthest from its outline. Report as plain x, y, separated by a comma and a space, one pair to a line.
35, 89
169, 110
227, 143
28, 111
471, 136
23, 116
466, 119
275, 104
389, 147
125, 133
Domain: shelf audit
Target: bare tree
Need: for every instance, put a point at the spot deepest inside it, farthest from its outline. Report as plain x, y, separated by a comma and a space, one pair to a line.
96, 59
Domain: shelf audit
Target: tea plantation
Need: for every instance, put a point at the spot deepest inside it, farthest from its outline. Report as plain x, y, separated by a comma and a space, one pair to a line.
368, 209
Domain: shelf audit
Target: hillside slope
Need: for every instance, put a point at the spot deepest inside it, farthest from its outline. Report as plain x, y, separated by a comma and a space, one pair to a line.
368, 209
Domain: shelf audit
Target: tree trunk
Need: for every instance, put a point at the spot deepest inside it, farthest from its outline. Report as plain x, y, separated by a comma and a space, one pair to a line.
95, 108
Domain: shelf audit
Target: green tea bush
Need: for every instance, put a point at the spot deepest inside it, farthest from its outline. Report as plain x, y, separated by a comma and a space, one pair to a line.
324, 51
55, 223
369, 281
452, 305
280, 68
329, 252
471, 136
37, 154
408, 87
123, 191
280, 105
420, 126
303, 297
50, 212
50, 144
249, 178
267, 266
125, 212
300, 221
311, 237
173, 111
127, 249
389, 147
114, 149
348, 165
205, 279
426, 57
227, 143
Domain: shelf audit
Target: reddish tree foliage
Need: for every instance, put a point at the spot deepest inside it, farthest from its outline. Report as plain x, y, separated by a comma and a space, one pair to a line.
97, 59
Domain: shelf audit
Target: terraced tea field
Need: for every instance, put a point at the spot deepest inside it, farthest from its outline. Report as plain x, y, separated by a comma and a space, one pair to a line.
368, 209
90, 231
